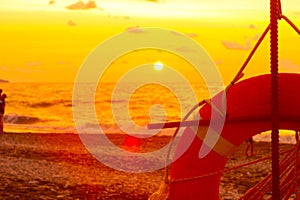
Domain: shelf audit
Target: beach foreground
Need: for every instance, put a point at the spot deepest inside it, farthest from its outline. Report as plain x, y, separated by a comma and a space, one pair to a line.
57, 166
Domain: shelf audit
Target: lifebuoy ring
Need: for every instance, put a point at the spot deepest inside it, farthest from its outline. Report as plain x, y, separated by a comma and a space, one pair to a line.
248, 113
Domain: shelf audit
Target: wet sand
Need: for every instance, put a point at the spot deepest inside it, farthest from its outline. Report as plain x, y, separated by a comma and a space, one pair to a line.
57, 166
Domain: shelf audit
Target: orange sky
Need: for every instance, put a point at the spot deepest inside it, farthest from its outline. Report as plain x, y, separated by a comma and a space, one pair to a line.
45, 41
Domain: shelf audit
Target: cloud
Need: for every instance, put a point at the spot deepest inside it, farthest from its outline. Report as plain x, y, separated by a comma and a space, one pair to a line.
256, 37
33, 64
136, 30
80, 5
185, 49
51, 2
91, 4
63, 63
71, 23
175, 33
191, 35
287, 64
124, 62
297, 13
27, 71
252, 26
125, 17
218, 62
4, 68
236, 46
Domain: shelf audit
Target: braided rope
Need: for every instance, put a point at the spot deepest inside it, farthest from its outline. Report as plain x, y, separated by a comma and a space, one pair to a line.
274, 13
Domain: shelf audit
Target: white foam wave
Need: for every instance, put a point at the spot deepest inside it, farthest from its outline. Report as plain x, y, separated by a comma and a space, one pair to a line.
285, 136
20, 119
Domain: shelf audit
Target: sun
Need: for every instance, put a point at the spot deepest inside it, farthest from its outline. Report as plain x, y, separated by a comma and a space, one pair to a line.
158, 66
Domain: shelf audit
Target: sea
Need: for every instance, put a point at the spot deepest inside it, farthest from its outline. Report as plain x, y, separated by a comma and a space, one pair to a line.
53, 107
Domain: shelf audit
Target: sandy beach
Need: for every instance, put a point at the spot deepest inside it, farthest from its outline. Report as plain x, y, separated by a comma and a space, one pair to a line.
57, 166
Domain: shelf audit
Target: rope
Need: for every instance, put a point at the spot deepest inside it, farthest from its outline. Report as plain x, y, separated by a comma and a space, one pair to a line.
240, 74
274, 13
162, 193
287, 176
288, 173
228, 169
291, 24
235, 79
214, 107
297, 161
279, 10
167, 168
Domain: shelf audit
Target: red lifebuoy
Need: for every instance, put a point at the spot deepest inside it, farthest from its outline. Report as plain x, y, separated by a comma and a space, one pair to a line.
248, 113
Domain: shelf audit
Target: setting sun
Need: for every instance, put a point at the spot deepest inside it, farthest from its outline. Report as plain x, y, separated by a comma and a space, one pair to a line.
158, 66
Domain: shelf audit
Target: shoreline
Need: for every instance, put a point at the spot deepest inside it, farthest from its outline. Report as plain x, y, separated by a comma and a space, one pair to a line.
57, 166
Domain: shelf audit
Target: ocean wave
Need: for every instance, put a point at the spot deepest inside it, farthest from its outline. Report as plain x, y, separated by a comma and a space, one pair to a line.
113, 101
20, 119
88, 128
42, 104
287, 138
97, 128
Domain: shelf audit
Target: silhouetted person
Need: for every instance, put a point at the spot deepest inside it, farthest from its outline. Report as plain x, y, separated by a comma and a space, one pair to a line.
1, 117
249, 146
2, 110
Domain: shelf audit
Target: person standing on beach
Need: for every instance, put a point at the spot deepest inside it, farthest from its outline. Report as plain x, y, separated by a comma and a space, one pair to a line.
249, 146
2, 110
1, 116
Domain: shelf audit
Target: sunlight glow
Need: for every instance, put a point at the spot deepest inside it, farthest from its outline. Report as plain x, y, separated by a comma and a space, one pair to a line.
158, 66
